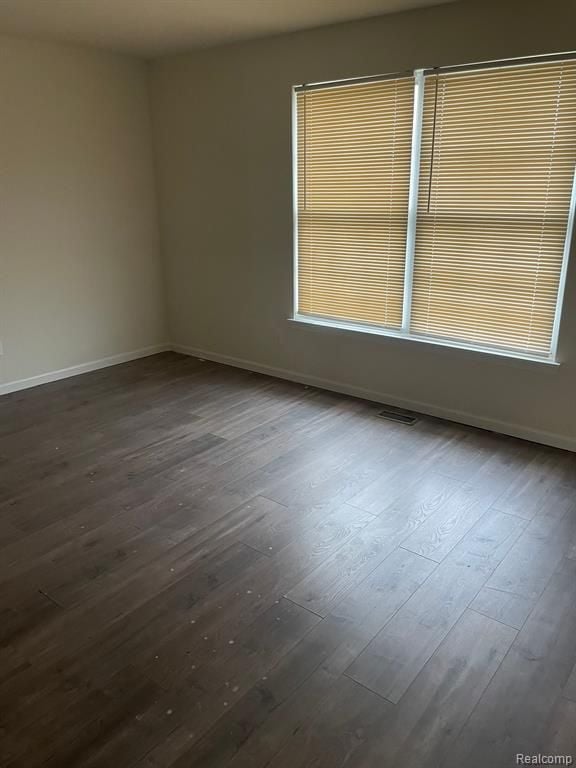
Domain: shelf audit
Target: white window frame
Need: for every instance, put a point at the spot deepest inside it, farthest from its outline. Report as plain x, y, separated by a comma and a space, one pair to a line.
404, 331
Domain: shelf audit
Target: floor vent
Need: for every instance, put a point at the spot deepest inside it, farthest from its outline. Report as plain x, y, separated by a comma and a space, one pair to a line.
398, 414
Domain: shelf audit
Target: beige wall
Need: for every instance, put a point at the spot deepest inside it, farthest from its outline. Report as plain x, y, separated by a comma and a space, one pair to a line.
222, 119
79, 264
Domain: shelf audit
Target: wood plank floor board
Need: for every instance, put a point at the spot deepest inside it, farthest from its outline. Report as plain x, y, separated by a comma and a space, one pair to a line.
30, 610
212, 688
286, 430
100, 635
440, 532
529, 565
390, 486
155, 546
145, 626
397, 654
151, 624
372, 602
423, 727
513, 714
349, 718
288, 453
559, 735
570, 687
290, 702
259, 474
491, 478
204, 566
94, 441
125, 698
507, 607
266, 711
528, 493
461, 457
228, 610
93, 481
346, 568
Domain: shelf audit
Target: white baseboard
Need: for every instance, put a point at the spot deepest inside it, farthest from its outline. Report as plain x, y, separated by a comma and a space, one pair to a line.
75, 370
462, 417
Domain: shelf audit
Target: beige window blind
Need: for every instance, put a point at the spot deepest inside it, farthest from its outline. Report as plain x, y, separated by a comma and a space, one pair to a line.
439, 206
498, 150
353, 167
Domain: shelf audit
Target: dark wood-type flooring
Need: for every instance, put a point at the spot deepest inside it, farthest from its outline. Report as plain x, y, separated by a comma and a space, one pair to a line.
201, 566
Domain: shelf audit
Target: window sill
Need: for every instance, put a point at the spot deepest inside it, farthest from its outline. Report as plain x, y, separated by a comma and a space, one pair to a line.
373, 330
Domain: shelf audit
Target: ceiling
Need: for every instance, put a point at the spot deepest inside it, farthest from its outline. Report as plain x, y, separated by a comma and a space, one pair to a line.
153, 27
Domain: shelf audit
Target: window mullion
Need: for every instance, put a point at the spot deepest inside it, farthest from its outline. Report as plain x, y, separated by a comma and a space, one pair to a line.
563, 271
413, 198
295, 206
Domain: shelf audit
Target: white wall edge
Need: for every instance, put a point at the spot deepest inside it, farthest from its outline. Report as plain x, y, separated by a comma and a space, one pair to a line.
75, 370
461, 417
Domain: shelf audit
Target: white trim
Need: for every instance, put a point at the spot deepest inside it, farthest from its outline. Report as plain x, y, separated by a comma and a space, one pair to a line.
563, 271
377, 330
294, 202
507, 428
351, 81
515, 430
413, 198
75, 370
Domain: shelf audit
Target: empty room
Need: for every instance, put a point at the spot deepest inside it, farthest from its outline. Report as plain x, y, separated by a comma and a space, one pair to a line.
287, 383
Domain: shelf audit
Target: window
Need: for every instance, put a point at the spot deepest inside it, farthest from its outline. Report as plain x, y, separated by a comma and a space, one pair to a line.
353, 188
439, 206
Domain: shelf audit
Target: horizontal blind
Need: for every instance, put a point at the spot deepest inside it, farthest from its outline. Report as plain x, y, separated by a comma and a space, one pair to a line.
497, 165
353, 177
